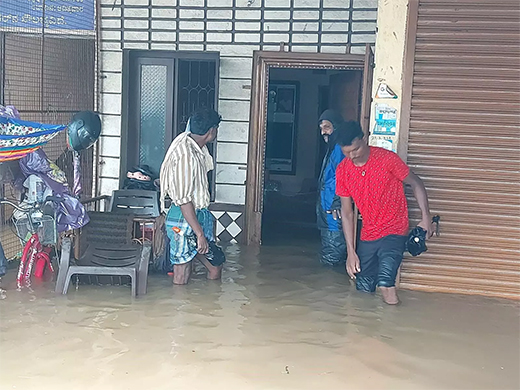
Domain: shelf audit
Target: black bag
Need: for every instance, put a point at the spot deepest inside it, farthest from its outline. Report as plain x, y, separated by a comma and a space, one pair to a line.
215, 255
134, 184
416, 241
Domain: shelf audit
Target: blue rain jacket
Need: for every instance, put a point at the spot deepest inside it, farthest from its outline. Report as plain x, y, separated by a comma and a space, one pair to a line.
327, 200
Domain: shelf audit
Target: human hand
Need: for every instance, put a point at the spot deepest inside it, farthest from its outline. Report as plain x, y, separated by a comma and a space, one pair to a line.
427, 225
202, 244
336, 214
352, 265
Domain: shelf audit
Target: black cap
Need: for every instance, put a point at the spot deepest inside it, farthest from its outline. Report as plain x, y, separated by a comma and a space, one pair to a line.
333, 117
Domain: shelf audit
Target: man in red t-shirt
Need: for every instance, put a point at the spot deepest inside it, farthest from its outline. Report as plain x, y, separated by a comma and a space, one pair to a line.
373, 178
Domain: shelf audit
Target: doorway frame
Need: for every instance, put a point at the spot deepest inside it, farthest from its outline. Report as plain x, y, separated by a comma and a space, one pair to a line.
262, 62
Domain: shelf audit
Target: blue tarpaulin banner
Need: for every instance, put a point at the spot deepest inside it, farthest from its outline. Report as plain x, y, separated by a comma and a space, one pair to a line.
59, 14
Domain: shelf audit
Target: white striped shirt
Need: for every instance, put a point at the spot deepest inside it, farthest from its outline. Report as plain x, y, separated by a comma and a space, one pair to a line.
184, 173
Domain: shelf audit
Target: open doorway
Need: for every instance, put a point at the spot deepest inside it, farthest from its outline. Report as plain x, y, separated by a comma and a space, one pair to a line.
289, 91
295, 149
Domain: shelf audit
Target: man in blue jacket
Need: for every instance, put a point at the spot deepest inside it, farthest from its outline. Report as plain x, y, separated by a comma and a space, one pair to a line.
333, 247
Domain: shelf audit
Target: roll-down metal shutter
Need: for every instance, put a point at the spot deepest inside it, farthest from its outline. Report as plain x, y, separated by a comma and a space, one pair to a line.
464, 142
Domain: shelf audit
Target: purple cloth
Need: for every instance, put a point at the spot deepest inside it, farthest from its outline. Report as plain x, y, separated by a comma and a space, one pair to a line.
70, 213
9, 112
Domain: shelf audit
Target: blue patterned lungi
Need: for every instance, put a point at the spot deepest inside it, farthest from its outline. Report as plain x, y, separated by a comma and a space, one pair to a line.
183, 241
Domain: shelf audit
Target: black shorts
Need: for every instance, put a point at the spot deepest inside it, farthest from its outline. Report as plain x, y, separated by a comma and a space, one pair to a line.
379, 261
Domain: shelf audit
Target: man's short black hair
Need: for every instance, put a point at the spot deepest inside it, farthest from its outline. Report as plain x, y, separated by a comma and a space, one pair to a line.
204, 119
348, 132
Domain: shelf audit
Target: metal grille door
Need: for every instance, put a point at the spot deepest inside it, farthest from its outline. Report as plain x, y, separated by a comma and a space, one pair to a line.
464, 141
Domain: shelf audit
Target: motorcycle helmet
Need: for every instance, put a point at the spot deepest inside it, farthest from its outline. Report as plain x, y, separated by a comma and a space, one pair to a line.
84, 130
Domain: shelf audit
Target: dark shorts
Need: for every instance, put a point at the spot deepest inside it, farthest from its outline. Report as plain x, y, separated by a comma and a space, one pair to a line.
379, 261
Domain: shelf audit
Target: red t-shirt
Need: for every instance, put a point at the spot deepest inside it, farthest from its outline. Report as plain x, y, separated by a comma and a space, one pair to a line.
378, 191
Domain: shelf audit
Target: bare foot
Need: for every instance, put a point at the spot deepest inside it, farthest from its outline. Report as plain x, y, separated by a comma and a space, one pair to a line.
390, 295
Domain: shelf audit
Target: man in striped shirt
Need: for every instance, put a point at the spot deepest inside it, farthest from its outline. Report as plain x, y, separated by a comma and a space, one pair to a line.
184, 178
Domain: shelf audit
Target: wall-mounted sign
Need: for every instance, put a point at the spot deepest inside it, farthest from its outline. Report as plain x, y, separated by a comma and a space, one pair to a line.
386, 142
385, 92
386, 118
58, 14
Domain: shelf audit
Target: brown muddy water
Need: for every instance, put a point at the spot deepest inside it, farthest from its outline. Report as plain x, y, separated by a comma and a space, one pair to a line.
278, 320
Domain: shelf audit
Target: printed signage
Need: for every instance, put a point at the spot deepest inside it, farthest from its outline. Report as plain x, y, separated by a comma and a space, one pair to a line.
58, 14
386, 118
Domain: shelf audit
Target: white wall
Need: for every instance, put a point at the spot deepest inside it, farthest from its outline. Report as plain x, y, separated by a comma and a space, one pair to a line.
389, 54
235, 32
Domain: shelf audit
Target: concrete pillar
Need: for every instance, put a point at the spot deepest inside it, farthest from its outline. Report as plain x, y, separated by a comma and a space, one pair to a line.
389, 55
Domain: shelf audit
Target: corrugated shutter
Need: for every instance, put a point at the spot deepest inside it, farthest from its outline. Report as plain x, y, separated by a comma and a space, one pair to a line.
464, 142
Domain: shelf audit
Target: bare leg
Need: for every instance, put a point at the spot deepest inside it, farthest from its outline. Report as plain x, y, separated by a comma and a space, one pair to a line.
214, 273
182, 273
390, 295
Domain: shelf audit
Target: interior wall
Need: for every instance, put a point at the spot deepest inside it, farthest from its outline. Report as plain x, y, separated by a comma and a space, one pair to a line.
307, 127
345, 94
344, 97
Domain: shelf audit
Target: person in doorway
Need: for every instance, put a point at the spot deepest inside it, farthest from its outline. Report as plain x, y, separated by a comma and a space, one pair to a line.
373, 178
333, 248
184, 178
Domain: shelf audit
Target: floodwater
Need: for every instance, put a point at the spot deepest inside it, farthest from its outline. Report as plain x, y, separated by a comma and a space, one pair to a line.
278, 320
